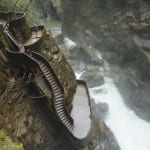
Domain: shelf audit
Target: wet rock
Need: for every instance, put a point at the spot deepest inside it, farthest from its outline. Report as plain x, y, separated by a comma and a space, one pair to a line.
110, 56
106, 139
57, 4
84, 54
101, 110
102, 107
59, 38
129, 16
93, 78
78, 66
49, 9
134, 83
135, 92
93, 67
97, 147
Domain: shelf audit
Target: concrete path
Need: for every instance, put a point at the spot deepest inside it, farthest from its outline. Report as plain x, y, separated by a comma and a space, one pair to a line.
81, 113
36, 35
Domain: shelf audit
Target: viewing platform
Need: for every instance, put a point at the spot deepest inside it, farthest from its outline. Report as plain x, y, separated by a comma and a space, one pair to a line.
36, 35
81, 112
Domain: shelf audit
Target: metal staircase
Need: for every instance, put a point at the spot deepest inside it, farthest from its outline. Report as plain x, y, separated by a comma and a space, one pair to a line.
54, 85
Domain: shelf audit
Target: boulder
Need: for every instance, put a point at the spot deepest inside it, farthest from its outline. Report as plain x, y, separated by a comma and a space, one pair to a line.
85, 54
101, 110
93, 78
59, 38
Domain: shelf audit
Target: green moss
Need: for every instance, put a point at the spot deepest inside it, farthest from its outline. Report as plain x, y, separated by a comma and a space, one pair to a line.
22, 33
5, 43
6, 143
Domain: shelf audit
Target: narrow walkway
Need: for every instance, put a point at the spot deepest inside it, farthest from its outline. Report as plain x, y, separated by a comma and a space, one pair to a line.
78, 123
36, 35
81, 112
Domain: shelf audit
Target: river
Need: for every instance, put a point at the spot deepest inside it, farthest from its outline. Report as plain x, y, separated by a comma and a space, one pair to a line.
131, 132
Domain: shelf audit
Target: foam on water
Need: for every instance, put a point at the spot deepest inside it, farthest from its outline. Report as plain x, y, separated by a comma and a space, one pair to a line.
131, 132
56, 31
69, 43
78, 75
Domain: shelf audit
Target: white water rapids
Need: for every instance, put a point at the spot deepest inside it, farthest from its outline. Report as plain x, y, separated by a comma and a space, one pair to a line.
131, 132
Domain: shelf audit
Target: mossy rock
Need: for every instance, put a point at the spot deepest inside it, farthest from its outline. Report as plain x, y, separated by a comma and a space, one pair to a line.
6, 143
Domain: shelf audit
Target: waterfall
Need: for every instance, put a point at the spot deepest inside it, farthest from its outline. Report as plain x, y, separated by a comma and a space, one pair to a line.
131, 132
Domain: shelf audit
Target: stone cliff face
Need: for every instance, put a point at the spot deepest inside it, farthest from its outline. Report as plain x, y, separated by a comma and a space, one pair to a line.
121, 31
16, 93
50, 9
29, 121
23, 110
110, 26
49, 49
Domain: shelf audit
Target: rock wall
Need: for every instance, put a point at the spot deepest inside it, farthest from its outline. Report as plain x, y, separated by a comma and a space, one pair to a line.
108, 25
49, 9
23, 33
4, 42
28, 120
48, 47
64, 72
16, 94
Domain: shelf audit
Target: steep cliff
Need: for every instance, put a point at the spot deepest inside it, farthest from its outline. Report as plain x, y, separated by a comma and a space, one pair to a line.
22, 83
110, 25
120, 31
49, 9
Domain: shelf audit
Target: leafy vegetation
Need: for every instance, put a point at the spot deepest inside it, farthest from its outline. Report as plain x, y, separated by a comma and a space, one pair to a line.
7, 144
6, 5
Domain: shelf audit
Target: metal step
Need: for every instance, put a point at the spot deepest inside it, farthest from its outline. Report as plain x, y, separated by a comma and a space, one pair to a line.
63, 118
46, 73
55, 88
58, 103
60, 111
68, 124
53, 83
50, 79
58, 91
59, 106
58, 96
59, 99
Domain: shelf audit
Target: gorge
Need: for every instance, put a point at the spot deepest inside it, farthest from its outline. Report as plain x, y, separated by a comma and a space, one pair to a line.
107, 45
